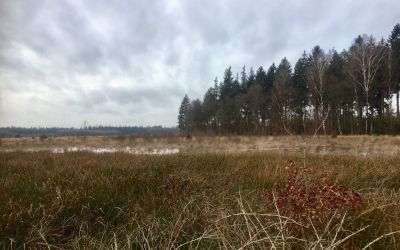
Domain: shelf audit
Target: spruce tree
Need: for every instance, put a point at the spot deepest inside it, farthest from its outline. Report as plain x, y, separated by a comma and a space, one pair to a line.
394, 40
261, 77
183, 111
299, 94
270, 77
251, 79
243, 80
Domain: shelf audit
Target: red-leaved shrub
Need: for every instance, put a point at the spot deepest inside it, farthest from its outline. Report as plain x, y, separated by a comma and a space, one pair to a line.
299, 199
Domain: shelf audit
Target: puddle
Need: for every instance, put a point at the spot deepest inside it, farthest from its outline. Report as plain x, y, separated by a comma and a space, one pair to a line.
320, 149
129, 150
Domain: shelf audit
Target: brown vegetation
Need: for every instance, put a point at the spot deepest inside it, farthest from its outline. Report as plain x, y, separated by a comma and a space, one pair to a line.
85, 200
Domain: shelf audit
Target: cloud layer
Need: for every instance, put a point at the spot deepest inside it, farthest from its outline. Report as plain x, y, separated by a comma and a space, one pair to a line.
131, 62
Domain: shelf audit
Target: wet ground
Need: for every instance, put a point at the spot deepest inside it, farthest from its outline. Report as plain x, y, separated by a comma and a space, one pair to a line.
346, 145
97, 150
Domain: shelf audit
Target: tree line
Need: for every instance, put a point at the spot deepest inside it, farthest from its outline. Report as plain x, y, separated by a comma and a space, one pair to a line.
350, 92
7, 132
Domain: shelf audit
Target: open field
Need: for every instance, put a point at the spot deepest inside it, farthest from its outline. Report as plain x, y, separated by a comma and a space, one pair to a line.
217, 198
342, 145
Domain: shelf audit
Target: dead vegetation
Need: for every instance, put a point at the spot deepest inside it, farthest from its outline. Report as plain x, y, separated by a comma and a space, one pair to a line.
211, 200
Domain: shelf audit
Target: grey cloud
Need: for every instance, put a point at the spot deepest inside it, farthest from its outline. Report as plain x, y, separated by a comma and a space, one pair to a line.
143, 98
107, 59
125, 96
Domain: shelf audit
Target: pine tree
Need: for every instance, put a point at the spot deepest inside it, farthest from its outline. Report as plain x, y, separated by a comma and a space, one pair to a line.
226, 89
338, 88
261, 77
299, 95
332, 87
282, 84
210, 107
243, 80
195, 116
394, 40
183, 111
251, 79
270, 78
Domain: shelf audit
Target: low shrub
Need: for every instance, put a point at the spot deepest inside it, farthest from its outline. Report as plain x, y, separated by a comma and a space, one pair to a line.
302, 199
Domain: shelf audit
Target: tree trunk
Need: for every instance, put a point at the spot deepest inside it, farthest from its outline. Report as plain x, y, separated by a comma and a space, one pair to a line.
338, 122
316, 117
351, 121
366, 115
304, 120
323, 119
359, 121
397, 103
371, 126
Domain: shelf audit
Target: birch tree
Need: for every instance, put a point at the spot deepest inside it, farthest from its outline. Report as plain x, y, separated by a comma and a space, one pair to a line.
366, 56
319, 63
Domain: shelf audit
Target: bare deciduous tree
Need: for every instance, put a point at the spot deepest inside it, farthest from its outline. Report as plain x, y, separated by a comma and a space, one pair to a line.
366, 56
319, 62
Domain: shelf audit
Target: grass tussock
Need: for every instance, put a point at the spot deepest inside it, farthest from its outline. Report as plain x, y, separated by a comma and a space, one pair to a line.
120, 201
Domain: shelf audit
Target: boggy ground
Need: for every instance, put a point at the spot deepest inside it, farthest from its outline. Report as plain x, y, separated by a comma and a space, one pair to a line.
342, 145
192, 200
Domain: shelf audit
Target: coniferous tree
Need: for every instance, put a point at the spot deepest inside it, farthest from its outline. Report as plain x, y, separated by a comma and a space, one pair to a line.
270, 78
251, 79
337, 88
281, 92
183, 112
268, 91
195, 116
261, 80
338, 92
299, 98
243, 80
210, 107
229, 89
226, 88
261, 77
244, 102
255, 99
394, 40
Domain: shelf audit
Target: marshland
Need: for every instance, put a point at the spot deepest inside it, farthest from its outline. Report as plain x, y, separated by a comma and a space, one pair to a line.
215, 196
178, 124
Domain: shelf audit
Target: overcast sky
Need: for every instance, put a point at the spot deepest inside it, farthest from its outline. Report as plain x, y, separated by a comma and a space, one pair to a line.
131, 62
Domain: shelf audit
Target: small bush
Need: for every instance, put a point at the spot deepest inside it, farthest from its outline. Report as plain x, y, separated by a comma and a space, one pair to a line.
302, 200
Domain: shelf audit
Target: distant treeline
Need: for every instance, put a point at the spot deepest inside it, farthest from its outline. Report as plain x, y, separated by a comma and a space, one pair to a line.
348, 92
86, 131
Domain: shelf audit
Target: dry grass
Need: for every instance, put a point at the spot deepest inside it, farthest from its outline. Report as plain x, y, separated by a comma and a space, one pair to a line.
210, 200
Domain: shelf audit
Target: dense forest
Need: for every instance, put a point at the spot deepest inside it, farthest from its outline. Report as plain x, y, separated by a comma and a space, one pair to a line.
355, 91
